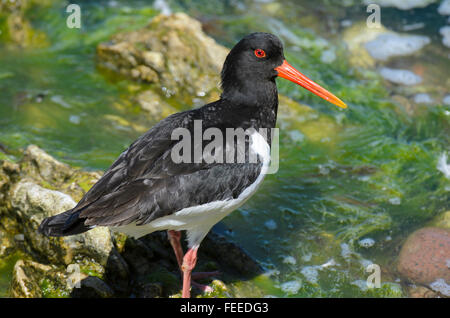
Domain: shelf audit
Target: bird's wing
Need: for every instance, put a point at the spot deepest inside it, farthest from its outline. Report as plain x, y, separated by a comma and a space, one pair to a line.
144, 183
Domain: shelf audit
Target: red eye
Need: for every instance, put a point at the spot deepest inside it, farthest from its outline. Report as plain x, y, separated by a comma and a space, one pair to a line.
260, 53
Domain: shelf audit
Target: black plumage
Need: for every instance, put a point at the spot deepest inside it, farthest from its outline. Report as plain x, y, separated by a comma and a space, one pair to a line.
144, 183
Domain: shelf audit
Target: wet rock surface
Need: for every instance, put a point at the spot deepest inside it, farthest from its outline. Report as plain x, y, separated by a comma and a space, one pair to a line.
425, 258
17, 30
96, 263
171, 51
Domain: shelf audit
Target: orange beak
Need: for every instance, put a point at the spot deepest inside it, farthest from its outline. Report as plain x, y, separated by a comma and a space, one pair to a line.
286, 71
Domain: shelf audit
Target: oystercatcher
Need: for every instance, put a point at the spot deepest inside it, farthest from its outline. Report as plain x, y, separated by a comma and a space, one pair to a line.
146, 190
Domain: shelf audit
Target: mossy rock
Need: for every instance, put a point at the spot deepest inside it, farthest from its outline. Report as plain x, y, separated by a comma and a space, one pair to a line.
15, 27
171, 51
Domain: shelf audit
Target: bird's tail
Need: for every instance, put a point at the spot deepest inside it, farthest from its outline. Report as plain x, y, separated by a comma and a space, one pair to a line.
64, 224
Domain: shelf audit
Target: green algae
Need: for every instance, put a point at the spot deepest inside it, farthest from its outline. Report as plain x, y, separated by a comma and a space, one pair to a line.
6, 272
161, 275
50, 290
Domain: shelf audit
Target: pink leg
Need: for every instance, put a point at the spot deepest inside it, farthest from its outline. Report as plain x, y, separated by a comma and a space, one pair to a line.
174, 238
189, 261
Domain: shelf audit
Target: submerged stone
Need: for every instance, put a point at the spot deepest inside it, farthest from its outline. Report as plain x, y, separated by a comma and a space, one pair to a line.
442, 165
424, 256
398, 76
444, 7
15, 28
388, 45
445, 32
423, 98
172, 51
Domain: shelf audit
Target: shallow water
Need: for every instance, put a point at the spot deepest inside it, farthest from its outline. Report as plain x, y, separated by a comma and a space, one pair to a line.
352, 184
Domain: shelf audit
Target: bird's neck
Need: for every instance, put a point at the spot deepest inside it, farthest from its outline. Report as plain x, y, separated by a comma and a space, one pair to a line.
257, 103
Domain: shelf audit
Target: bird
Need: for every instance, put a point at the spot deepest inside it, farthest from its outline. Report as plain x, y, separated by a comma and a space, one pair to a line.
148, 189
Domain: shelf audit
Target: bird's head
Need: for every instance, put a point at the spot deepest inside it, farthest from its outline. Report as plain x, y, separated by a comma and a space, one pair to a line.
258, 59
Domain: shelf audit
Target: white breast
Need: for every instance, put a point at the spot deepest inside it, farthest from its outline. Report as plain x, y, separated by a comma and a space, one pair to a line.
198, 220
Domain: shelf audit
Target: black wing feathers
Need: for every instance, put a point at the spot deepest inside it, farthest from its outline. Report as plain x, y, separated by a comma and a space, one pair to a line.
144, 183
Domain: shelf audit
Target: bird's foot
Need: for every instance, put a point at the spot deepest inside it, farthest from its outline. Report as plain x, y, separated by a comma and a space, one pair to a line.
203, 288
202, 275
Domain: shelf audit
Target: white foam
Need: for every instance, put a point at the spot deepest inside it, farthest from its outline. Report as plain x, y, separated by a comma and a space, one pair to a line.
399, 76
328, 56
441, 286
414, 26
291, 287
75, 119
289, 260
442, 165
361, 284
163, 6
311, 274
271, 225
367, 242
444, 8
423, 98
388, 45
345, 251
445, 32
446, 100
330, 263
395, 201
57, 99
307, 257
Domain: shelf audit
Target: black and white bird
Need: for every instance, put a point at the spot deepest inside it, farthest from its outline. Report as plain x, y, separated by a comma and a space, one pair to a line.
146, 190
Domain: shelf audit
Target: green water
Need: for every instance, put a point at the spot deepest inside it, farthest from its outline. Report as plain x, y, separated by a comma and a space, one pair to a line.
366, 172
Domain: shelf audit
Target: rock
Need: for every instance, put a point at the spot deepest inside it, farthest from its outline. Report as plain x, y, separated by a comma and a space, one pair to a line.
44, 170
442, 220
423, 98
172, 51
425, 256
154, 104
387, 45
399, 76
7, 245
117, 273
148, 290
9, 173
138, 256
230, 254
40, 163
421, 292
92, 287
35, 280
16, 28
356, 37
26, 276
33, 203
